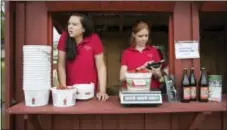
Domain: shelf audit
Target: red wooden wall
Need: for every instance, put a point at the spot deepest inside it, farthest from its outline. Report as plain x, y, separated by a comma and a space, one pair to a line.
28, 23
176, 121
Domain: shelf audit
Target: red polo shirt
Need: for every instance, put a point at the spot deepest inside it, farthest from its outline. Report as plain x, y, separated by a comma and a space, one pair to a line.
133, 59
83, 68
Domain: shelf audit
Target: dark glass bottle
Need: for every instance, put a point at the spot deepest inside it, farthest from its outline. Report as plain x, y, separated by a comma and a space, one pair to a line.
193, 85
185, 87
203, 86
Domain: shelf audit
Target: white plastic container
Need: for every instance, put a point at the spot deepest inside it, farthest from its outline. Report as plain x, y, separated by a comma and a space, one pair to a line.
36, 97
85, 91
138, 81
64, 98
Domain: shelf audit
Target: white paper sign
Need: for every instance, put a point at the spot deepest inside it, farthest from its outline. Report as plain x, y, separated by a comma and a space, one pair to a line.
186, 49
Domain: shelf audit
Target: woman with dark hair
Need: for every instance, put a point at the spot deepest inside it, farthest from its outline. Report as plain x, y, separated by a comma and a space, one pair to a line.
80, 56
140, 54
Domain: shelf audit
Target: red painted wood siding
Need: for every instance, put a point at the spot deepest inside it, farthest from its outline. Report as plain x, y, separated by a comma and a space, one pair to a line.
110, 6
31, 27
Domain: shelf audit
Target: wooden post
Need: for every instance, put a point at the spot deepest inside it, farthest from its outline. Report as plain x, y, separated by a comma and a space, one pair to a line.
225, 77
9, 61
31, 28
195, 35
186, 27
171, 46
18, 57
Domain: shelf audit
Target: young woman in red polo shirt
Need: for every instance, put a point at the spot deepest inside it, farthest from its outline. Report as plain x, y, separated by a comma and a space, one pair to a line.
80, 57
140, 54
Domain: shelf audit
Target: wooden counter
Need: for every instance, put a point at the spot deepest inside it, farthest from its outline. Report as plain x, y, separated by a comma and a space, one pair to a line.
93, 114
113, 106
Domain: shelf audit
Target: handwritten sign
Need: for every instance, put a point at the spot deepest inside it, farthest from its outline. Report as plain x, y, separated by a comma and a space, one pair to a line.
186, 49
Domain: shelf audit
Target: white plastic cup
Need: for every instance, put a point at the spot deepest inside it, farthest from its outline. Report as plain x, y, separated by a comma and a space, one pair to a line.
36, 97
64, 98
85, 91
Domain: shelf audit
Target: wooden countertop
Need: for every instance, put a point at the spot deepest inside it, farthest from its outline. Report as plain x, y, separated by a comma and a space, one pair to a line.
113, 106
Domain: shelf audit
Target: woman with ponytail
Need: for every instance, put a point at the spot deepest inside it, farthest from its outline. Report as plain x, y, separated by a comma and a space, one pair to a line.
140, 54
80, 56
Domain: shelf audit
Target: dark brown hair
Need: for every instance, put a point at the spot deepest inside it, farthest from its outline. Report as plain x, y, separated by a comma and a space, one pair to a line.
71, 46
138, 26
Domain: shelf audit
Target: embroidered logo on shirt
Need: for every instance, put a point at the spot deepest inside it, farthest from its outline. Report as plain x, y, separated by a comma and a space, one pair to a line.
87, 48
150, 55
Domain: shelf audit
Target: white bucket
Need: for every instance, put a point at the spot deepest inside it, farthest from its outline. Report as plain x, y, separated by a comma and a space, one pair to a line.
64, 98
36, 97
138, 81
85, 91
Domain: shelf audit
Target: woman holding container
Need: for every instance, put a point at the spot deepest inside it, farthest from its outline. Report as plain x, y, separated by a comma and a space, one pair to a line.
139, 55
80, 56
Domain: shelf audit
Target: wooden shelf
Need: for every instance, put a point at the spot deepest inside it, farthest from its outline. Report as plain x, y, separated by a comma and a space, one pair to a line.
112, 106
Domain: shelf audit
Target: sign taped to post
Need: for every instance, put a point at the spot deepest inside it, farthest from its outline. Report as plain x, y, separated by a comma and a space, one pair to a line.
186, 49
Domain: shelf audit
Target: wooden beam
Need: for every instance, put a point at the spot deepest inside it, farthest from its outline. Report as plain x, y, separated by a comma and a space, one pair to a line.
171, 46
36, 27
198, 120
182, 31
9, 61
50, 41
214, 6
36, 23
50, 30
195, 35
20, 19
199, 4
136, 6
20, 40
186, 15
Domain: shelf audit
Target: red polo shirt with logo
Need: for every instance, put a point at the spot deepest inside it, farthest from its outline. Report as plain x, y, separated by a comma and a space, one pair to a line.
133, 59
83, 69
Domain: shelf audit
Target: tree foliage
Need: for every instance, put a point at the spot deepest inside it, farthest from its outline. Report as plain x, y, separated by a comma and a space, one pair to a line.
2, 21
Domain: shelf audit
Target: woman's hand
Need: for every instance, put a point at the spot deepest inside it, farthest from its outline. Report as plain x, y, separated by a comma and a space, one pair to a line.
156, 72
102, 96
61, 87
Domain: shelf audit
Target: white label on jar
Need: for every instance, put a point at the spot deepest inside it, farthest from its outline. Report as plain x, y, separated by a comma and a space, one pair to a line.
139, 82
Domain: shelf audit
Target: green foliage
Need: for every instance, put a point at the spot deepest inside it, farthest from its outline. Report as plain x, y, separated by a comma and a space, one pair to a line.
2, 30
2, 22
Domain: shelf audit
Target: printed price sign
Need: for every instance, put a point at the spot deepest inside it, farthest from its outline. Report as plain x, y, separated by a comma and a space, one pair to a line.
186, 49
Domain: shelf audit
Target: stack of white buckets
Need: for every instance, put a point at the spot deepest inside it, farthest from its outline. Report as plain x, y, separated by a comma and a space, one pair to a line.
36, 74
37, 80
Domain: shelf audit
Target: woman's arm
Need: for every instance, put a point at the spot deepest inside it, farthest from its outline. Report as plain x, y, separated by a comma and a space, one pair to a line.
101, 68
61, 68
157, 72
122, 72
